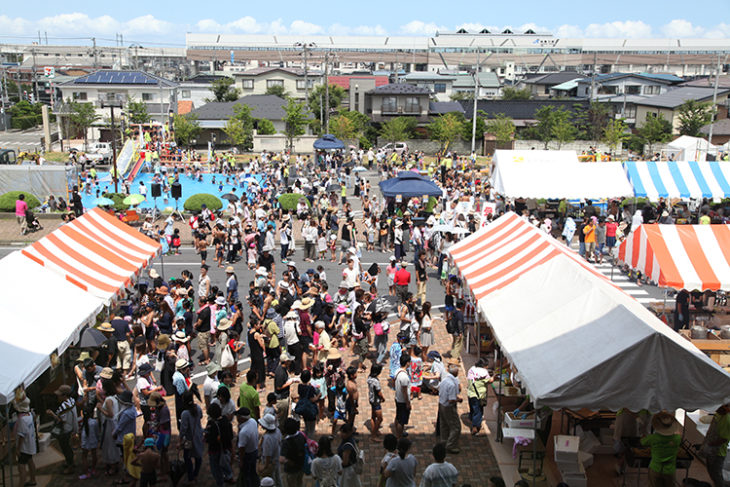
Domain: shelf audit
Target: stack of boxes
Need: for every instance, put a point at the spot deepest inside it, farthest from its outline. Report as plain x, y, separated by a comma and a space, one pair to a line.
567, 458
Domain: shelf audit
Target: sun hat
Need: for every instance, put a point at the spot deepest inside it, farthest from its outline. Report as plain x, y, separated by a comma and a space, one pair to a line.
306, 303
224, 324
291, 263
284, 284
261, 271
220, 301
163, 341
24, 406
344, 285
334, 354
83, 356
144, 369
181, 363
267, 482
327, 298
352, 250
155, 399
180, 336
212, 368
392, 258
664, 423
125, 397
229, 269
268, 422
106, 373
296, 305
285, 357
267, 248
154, 274
106, 327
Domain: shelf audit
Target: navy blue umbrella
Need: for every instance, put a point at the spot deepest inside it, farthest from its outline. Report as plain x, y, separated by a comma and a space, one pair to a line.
409, 184
328, 142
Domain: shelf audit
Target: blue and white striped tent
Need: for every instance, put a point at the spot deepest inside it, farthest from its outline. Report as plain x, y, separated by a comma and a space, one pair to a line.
679, 179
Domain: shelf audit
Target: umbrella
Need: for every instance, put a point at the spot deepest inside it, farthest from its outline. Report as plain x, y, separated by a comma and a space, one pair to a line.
359, 169
450, 229
334, 188
328, 142
409, 184
101, 201
91, 337
230, 197
133, 199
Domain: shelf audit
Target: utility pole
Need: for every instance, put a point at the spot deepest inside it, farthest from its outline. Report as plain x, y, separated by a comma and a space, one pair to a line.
474, 113
714, 100
112, 104
3, 93
305, 47
326, 93
593, 78
35, 79
93, 39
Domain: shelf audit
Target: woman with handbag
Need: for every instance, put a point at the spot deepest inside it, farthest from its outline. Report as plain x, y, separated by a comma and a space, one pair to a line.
478, 381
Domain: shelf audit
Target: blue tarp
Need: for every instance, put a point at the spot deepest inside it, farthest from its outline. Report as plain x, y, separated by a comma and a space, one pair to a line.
328, 142
409, 185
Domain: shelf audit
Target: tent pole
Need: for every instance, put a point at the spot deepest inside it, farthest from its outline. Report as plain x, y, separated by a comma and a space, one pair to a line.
534, 450
10, 444
162, 265
499, 395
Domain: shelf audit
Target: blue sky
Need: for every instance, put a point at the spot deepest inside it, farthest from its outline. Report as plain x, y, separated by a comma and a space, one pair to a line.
164, 22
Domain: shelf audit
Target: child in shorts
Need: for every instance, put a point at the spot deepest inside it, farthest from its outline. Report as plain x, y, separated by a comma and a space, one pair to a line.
416, 372
375, 396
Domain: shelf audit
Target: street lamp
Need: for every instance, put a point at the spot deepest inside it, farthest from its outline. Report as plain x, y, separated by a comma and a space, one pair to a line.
114, 102
305, 47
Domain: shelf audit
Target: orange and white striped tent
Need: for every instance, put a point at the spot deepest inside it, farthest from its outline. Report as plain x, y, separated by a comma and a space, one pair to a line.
505, 249
680, 256
97, 252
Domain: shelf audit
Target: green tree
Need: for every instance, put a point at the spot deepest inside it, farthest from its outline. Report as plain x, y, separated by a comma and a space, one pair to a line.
591, 121
238, 135
543, 130
26, 114
510, 93
223, 90
83, 115
502, 127
563, 128
317, 98
446, 129
137, 112
343, 128
265, 127
656, 129
615, 133
186, 128
396, 130
295, 120
693, 115
277, 90
461, 95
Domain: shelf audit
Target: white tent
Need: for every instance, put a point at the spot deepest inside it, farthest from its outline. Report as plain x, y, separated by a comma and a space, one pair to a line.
556, 174
688, 148
42, 313
577, 340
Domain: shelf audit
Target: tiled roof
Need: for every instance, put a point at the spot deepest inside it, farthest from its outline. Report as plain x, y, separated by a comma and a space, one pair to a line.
270, 107
344, 81
519, 109
721, 127
441, 107
674, 98
400, 89
552, 78
184, 106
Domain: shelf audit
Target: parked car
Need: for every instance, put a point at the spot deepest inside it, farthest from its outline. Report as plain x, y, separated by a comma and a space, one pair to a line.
400, 148
99, 152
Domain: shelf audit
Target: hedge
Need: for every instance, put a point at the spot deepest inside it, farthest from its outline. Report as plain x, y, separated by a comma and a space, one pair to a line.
639, 202
7, 201
118, 199
196, 202
288, 201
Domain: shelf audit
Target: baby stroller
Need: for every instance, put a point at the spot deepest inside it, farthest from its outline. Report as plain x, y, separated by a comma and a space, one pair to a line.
31, 223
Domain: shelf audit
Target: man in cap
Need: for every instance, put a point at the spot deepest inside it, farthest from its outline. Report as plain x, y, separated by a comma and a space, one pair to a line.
664, 444
25, 441
267, 260
282, 384
210, 384
149, 461
248, 443
449, 423
269, 466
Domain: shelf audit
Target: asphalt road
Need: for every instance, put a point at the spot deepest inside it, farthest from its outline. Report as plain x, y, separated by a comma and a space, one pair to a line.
26, 140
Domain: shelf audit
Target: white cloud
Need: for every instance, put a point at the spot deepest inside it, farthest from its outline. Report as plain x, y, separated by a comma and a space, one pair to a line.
305, 28
681, 28
620, 29
17, 26
720, 31
418, 27
567, 31
360, 30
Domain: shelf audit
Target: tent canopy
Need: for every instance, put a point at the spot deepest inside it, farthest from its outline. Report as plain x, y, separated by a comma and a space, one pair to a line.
688, 148
43, 313
328, 142
679, 179
97, 252
681, 256
582, 342
556, 174
409, 185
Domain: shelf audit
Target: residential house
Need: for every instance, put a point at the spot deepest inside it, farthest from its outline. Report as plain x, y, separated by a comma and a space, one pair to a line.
445, 85
668, 103
397, 100
356, 86
124, 86
720, 131
489, 86
540, 85
196, 91
644, 84
258, 80
441, 85
213, 116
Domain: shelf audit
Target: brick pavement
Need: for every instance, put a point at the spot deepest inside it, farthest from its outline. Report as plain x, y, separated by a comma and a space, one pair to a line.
476, 463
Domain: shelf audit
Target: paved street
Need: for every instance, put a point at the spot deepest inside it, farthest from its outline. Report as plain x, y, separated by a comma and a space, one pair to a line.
26, 140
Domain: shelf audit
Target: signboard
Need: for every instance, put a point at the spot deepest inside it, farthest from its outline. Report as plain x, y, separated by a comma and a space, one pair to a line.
464, 207
489, 209
49, 72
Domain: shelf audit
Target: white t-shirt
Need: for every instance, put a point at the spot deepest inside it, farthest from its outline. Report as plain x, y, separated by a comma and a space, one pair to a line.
350, 277
439, 475
210, 387
142, 385
402, 379
26, 433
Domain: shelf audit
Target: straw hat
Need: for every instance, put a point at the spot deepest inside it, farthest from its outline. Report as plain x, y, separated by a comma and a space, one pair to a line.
181, 363
106, 373
306, 303
154, 274
180, 337
106, 327
163, 341
229, 269
155, 400
664, 423
334, 354
224, 324
83, 356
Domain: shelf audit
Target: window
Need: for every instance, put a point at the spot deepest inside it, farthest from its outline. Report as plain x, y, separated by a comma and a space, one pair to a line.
184, 93
79, 96
300, 84
651, 90
412, 105
439, 87
270, 83
390, 104
247, 84
633, 90
147, 96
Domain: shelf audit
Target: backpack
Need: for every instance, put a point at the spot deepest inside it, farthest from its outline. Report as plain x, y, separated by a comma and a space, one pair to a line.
310, 453
451, 325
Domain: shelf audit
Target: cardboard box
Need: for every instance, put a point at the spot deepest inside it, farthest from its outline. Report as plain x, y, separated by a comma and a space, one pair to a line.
568, 467
566, 448
575, 479
517, 422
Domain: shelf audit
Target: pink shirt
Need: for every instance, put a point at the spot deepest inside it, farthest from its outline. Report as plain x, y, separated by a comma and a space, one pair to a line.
20, 207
